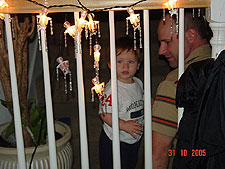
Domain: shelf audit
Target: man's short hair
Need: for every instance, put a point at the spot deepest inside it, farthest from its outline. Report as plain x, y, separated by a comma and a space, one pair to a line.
198, 22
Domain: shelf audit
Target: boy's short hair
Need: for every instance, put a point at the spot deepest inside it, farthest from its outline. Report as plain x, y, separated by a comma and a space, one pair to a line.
125, 44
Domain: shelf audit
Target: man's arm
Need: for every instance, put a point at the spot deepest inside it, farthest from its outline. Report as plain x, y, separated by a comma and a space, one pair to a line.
161, 145
130, 126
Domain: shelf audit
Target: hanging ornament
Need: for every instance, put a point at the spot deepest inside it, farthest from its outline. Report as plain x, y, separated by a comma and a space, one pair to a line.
71, 30
76, 29
199, 12
98, 87
135, 22
80, 24
2, 16
93, 28
208, 14
193, 13
3, 4
64, 67
164, 15
97, 54
172, 7
42, 22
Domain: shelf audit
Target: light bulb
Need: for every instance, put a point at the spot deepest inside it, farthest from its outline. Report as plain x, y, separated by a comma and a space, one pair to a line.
2, 16
171, 4
3, 4
134, 18
71, 30
97, 54
42, 17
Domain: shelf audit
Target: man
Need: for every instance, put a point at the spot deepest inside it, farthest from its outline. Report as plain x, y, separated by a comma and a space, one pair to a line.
196, 48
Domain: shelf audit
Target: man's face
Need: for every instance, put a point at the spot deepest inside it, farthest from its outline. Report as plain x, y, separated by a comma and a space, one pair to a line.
168, 47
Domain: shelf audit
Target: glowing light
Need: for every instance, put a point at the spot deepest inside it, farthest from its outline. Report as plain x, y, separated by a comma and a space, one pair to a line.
42, 18
2, 16
98, 88
135, 22
97, 54
42, 22
134, 18
91, 24
171, 4
81, 22
3, 4
71, 30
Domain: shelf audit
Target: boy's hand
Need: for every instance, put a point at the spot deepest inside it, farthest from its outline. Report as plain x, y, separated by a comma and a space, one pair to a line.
132, 127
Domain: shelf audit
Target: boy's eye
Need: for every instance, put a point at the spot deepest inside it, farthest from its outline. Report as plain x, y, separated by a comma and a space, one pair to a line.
119, 61
131, 61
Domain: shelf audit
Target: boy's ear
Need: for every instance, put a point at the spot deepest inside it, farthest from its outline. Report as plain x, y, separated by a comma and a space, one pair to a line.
109, 65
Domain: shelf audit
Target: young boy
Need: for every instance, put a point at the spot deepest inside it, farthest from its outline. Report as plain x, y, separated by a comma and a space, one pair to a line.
130, 108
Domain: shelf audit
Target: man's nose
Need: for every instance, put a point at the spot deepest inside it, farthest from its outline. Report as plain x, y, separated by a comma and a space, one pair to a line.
162, 49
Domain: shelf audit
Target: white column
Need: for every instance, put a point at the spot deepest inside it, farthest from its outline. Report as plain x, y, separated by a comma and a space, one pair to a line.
115, 123
217, 25
81, 102
48, 102
181, 54
15, 97
147, 94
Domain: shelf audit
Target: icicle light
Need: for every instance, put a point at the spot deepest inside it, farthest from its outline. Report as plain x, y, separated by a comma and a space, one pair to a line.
2, 16
98, 87
3, 4
93, 28
172, 7
64, 67
42, 22
135, 22
171, 4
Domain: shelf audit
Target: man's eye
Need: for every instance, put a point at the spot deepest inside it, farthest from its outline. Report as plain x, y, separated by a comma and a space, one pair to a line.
168, 42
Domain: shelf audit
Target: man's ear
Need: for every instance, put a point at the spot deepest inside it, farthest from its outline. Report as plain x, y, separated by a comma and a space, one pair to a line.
191, 35
109, 65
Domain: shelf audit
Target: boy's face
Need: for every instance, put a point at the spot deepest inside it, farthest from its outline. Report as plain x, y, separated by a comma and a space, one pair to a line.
126, 66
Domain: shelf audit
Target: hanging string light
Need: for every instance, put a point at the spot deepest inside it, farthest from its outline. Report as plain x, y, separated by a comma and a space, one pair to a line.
199, 12
2, 16
71, 30
3, 4
135, 22
172, 7
42, 22
93, 28
164, 14
64, 67
98, 87
75, 29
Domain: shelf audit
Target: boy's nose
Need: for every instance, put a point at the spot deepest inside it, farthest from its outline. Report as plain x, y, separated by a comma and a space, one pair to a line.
125, 65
